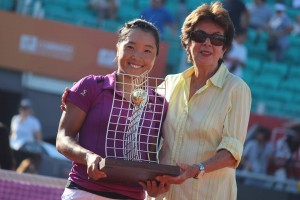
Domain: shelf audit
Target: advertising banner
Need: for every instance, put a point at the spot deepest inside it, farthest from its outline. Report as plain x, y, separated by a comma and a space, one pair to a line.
60, 50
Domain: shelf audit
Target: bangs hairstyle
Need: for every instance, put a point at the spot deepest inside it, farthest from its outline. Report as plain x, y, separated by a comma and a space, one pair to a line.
214, 12
142, 25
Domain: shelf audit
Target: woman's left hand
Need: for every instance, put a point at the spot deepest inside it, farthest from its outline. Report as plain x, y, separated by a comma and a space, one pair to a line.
188, 171
155, 188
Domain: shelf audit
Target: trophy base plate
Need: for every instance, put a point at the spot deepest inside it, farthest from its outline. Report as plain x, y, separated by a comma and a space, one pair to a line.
129, 173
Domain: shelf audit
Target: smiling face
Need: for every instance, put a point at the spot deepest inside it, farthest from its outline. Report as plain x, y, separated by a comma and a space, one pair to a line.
206, 55
137, 52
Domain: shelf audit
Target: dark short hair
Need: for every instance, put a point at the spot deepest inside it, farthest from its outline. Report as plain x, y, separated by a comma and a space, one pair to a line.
241, 31
266, 132
139, 24
214, 12
25, 104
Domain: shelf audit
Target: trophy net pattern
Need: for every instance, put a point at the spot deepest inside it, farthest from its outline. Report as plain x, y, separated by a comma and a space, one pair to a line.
139, 99
133, 131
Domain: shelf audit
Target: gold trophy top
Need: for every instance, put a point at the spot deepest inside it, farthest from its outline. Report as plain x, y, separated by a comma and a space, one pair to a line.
139, 96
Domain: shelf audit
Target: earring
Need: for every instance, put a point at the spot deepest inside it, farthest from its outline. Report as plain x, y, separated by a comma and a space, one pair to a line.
189, 59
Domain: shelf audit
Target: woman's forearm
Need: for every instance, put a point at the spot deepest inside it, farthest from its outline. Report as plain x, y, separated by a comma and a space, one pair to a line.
221, 159
70, 148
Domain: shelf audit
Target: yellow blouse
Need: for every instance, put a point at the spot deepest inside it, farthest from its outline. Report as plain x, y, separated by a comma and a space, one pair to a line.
216, 117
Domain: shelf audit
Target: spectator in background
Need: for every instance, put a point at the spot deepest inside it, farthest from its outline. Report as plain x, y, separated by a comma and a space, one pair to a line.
260, 14
236, 57
238, 13
6, 155
25, 127
257, 156
182, 12
106, 9
159, 16
258, 152
286, 155
279, 28
296, 3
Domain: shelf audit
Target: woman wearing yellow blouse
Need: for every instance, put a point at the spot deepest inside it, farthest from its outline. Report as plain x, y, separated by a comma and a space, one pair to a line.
208, 113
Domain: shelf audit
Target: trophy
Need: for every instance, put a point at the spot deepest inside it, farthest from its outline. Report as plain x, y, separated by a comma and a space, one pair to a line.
133, 136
